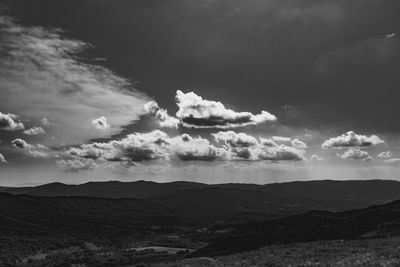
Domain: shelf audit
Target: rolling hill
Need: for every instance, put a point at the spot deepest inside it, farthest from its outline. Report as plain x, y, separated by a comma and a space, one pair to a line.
109, 189
374, 221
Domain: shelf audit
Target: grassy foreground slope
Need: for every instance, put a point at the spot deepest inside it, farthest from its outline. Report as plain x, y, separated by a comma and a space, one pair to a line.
365, 252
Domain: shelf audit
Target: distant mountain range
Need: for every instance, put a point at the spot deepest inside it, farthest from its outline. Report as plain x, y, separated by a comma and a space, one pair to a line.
368, 191
201, 204
109, 189
237, 217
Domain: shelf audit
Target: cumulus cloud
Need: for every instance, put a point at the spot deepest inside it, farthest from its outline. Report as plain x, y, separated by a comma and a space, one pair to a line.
281, 139
46, 69
38, 151
196, 112
100, 123
157, 144
298, 144
355, 153
2, 159
244, 146
20, 144
134, 147
9, 122
316, 158
385, 154
35, 131
234, 139
351, 139
187, 148
161, 115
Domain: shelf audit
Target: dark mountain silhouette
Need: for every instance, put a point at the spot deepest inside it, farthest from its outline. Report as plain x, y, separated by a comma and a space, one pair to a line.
109, 189
375, 221
331, 190
202, 204
217, 204
368, 191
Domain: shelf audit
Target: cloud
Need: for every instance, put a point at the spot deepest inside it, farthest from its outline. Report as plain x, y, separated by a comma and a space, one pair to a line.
157, 145
316, 158
234, 139
281, 139
351, 139
135, 147
187, 148
392, 161
45, 121
46, 69
247, 147
9, 122
196, 112
101, 123
385, 154
2, 159
298, 144
38, 151
35, 131
390, 35
161, 115
75, 165
20, 144
355, 153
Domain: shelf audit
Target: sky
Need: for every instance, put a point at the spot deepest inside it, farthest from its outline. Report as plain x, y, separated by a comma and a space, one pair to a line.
213, 91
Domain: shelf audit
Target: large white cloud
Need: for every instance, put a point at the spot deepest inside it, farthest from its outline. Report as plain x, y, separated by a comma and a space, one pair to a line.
9, 122
43, 68
351, 139
186, 148
158, 145
247, 147
355, 153
196, 112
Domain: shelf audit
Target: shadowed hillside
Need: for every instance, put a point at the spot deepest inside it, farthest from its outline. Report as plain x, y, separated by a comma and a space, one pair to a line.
375, 221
